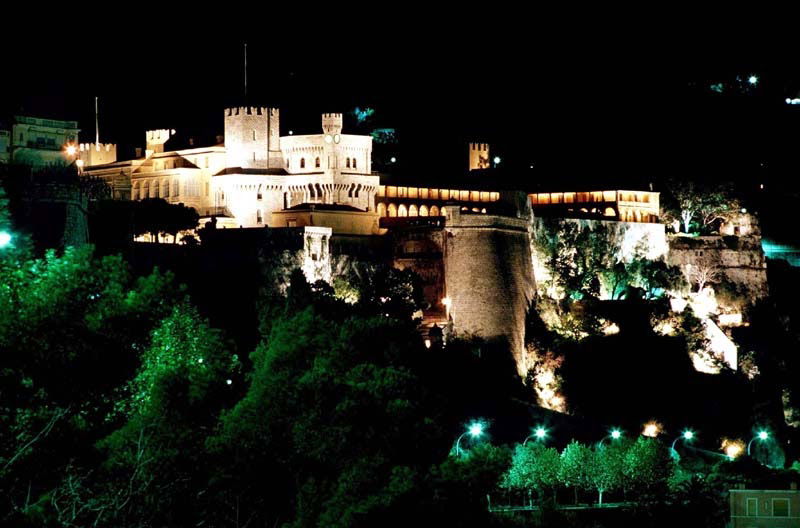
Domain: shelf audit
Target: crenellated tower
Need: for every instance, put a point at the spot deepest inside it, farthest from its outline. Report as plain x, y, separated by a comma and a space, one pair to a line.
478, 156
97, 153
252, 137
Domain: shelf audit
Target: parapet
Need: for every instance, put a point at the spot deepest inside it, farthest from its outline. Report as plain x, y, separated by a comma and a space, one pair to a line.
478, 156
251, 110
157, 138
97, 153
332, 123
481, 147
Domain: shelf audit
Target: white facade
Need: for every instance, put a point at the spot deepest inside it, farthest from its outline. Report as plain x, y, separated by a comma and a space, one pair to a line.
256, 172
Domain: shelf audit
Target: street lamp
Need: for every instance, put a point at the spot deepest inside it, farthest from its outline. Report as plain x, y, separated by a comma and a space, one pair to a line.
5, 238
762, 435
475, 430
615, 434
539, 433
686, 436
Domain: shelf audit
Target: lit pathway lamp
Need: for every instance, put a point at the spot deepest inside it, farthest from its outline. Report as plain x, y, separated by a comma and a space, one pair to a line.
762, 435
615, 434
540, 433
686, 436
5, 239
475, 430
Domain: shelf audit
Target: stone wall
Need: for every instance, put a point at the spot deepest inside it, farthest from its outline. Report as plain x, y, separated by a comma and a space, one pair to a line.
488, 277
740, 260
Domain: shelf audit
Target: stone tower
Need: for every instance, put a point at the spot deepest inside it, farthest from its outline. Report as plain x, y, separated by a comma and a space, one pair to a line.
252, 137
478, 156
332, 125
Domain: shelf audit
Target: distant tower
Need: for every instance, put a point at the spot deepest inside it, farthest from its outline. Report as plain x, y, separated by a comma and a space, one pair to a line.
156, 139
332, 124
252, 137
478, 156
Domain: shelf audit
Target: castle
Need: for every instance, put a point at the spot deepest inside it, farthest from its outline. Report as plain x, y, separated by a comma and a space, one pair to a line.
469, 239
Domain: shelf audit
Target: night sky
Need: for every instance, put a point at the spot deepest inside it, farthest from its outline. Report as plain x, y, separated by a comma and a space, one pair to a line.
603, 107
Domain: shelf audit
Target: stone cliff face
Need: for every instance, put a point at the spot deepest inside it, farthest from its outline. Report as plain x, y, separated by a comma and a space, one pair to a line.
739, 260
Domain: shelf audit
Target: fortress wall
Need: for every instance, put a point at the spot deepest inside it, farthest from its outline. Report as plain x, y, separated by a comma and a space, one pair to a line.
488, 277
741, 260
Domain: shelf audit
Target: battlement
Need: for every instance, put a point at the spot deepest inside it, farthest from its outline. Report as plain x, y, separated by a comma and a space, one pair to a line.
251, 110
332, 123
97, 153
157, 138
478, 156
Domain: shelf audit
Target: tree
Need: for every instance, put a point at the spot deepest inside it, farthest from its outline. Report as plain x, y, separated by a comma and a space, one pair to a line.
155, 216
706, 203
71, 329
533, 466
647, 466
574, 469
606, 468
702, 273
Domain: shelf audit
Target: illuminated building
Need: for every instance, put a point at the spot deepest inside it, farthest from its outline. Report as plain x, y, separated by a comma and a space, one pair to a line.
39, 142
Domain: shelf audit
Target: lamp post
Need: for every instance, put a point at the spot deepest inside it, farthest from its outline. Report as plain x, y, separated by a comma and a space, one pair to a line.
686, 436
762, 435
539, 433
615, 434
475, 430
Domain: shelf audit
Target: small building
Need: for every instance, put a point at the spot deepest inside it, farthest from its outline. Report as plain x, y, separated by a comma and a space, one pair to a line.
778, 508
41, 142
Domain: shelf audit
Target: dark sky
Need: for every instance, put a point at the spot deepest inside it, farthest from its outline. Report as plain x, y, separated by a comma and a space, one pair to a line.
581, 105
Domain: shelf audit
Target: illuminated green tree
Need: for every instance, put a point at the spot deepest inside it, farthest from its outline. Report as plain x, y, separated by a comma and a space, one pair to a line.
534, 466
647, 466
72, 327
575, 468
606, 468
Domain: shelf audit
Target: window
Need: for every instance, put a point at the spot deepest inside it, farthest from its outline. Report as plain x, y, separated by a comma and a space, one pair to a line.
316, 163
354, 163
348, 163
291, 223
752, 507
302, 163
780, 507
258, 217
135, 191
254, 135
175, 188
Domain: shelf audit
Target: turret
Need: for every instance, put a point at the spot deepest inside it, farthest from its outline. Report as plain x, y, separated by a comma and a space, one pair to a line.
156, 139
478, 156
97, 153
252, 137
332, 124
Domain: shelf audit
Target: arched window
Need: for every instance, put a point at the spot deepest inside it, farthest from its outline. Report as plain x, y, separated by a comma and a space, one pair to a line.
435, 211
354, 163
302, 163
402, 210
348, 163
165, 188
392, 210
423, 210
316, 163
287, 163
609, 211
156, 190
135, 191
145, 190
412, 210
381, 210
175, 188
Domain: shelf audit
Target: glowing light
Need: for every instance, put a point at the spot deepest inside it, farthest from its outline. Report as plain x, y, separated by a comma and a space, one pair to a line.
793, 101
200, 361
616, 434
427, 343
497, 160
732, 448
540, 432
393, 160
71, 150
446, 301
763, 435
5, 238
753, 79
476, 429
744, 211
79, 163
229, 382
651, 429
688, 435
291, 132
